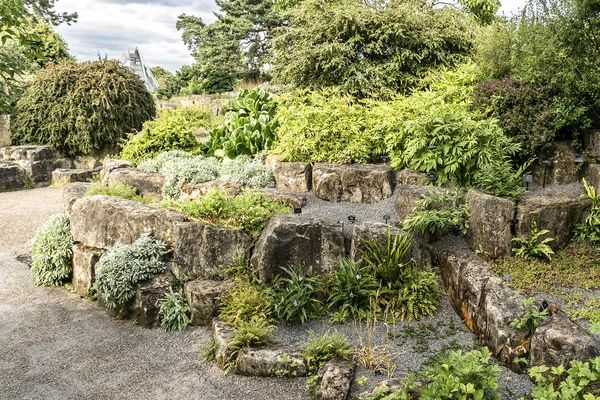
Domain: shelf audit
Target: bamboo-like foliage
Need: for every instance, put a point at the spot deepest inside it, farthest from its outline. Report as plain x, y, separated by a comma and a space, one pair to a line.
79, 108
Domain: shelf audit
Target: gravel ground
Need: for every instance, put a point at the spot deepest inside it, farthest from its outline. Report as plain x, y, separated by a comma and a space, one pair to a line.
56, 345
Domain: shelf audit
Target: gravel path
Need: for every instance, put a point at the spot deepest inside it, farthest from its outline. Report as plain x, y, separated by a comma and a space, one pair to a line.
56, 345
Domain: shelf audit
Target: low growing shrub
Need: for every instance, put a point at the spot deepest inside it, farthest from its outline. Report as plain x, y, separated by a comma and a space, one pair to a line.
534, 248
296, 300
438, 212
351, 287
320, 349
121, 268
52, 252
532, 318
174, 312
501, 179
581, 381
246, 302
121, 190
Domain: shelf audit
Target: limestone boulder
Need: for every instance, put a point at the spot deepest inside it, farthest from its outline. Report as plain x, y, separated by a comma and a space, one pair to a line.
62, 176
490, 223
38, 161
194, 191
290, 240
206, 251
412, 177
562, 171
270, 361
368, 230
223, 333
103, 221
354, 183
334, 379
12, 176
407, 197
204, 298
5, 130
294, 200
592, 144
110, 165
147, 184
293, 176
84, 264
146, 305
594, 176
560, 341
556, 211
73, 192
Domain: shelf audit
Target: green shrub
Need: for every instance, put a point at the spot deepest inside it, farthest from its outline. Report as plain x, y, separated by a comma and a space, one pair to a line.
533, 248
174, 312
122, 267
579, 382
590, 229
172, 130
532, 319
52, 252
121, 190
249, 211
320, 349
246, 302
250, 126
352, 286
500, 178
80, 108
296, 298
437, 213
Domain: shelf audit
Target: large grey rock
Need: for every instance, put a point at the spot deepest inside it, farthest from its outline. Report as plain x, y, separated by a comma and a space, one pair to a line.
63, 176
84, 264
205, 251
294, 200
368, 230
73, 192
562, 171
194, 191
487, 304
223, 334
407, 197
270, 361
204, 298
110, 165
290, 240
557, 211
12, 176
5, 130
412, 177
489, 223
560, 341
38, 161
29, 153
146, 305
594, 176
592, 144
334, 379
103, 221
147, 184
293, 176
354, 183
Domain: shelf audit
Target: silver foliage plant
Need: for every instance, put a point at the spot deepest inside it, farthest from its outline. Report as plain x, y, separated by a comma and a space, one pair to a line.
180, 167
52, 252
124, 266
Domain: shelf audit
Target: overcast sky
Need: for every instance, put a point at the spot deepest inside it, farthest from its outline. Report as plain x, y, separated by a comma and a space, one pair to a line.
112, 26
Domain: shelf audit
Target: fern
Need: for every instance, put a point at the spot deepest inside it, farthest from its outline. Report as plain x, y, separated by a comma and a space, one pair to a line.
533, 248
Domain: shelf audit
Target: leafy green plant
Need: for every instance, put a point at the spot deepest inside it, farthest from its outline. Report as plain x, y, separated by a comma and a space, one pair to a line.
352, 286
172, 130
296, 297
581, 381
174, 312
438, 212
533, 248
320, 349
80, 108
246, 302
590, 229
254, 332
122, 267
533, 317
52, 252
502, 179
121, 190
250, 126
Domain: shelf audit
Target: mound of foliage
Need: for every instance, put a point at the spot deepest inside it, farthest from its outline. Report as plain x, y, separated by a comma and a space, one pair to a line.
438, 213
296, 295
122, 267
172, 130
250, 126
320, 349
52, 252
590, 229
80, 108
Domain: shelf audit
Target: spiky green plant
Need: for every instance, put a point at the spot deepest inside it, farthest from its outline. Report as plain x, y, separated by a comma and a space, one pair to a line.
320, 349
174, 312
52, 252
534, 248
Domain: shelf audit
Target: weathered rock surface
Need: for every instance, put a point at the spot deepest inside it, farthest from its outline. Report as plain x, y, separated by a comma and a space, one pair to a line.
293, 176
223, 333
73, 192
489, 223
12, 176
294, 200
110, 165
270, 361
38, 161
103, 221
5, 130
63, 176
205, 251
487, 304
368, 230
562, 171
412, 177
352, 183
204, 298
592, 144
594, 176
407, 197
146, 305
147, 184
298, 241
84, 263
559, 341
558, 211
334, 379
194, 191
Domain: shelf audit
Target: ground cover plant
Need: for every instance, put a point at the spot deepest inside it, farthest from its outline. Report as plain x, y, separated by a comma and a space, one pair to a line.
590, 229
174, 312
121, 190
320, 349
534, 247
52, 252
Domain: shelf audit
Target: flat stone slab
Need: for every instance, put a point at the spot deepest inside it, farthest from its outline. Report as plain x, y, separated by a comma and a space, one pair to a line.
147, 184
64, 176
103, 221
354, 183
12, 176
84, 268
270, 361
194, 191
204, 299
110, 165
334, 379
293, 176
294, 200
29, 153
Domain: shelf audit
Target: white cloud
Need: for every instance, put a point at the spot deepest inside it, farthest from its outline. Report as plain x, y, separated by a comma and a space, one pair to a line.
111, 26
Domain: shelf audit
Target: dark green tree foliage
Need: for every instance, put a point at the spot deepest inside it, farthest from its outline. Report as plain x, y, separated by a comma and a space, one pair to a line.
366, 50
79, 108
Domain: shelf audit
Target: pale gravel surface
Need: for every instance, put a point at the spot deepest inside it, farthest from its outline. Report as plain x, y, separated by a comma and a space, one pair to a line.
56, 345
